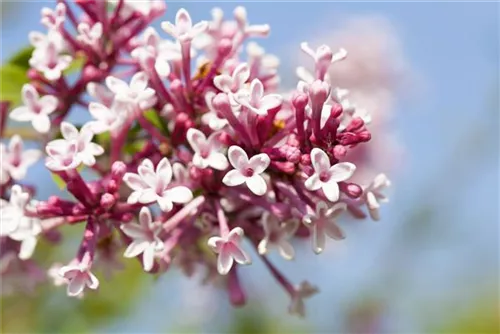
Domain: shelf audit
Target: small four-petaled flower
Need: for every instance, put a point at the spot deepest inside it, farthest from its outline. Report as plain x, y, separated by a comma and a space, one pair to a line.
229, 250
323, 223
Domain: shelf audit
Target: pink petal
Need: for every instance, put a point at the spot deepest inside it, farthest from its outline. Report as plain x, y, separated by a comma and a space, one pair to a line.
223, 82
135, 248
134, 231
116, 85
218, 161
92, 281
233, 178
76, 285
48, 104
216, 243
30, 96
224, 261
270, 101
183, 21
256, 92
148, 196
241, 74
259, 163
235, 235
237, 253
145, 217
199, 162
257, 185
320, 160
237, 157
99, 111
336, 210
169, 28
198, 28
342, 171
134, 181
196, 139
164, 171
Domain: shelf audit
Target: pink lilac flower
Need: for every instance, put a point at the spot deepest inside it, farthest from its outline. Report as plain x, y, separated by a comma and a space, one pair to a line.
36, 109
184, 30
303, 291
145, 239
240, 14
79, 276
326, 176
210, 117
100, 93
323, 222
256, 101
231, 85
62, 155
151, 185
373, 196
53, 19
107, 118
138, 93
206, 150
26, 233
15, 160
277, 235
229, 250
246, 170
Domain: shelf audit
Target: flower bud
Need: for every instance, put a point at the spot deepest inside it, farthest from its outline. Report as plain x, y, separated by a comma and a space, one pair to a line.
107, 201
293, 154
305, 159
339, 152
351, 189
118, 170
224, 47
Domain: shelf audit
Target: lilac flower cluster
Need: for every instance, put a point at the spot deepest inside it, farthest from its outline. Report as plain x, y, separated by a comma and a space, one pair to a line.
191, 145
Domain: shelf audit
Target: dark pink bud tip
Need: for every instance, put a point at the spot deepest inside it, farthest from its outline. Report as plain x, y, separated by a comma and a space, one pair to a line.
351, 189
118, 170
107, 201
339, 152
299, 101
305, 159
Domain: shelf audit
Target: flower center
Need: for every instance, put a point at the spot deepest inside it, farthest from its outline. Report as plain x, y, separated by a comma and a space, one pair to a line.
248, 172
324, 176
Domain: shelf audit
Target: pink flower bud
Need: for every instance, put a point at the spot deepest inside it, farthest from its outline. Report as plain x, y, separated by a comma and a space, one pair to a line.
293, 155
339, 152
351, 189
305, 159
107, 201
118, 170
300, 101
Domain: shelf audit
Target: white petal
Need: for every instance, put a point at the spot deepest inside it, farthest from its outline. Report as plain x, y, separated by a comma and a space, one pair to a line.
134, 231
92, 281
76, 285
139, 81
22, 114
116, 85
148, 196
259, 162
179, 194
224, 262
134, 181
41, 123
262, 248
196, 139
136, 248
218, 161
237, 157
331, 191
320, 160
313, 182
27, 248
286, 250
257, 185
318, 239
342, 171
233, 178
334, 231
165, 204
164, 171
148, 175
145, 217
148, 258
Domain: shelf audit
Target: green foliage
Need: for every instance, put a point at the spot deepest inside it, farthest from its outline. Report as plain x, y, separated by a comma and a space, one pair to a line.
154, 118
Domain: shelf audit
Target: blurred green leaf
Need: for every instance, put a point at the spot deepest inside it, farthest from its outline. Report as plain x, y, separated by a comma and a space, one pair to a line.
12, 78
154, 118
22, 57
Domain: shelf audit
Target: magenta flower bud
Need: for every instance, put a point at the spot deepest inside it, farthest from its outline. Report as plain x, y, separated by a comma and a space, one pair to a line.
294, 155
339, 152
195, 173
127, 217
118, 170
224, 47
351, 189
284, 166
318, 92
293, 141
355, 125
112, 186
91, 73
336, 110
107, 201
305, 159
300, 101
364, 136
33, 74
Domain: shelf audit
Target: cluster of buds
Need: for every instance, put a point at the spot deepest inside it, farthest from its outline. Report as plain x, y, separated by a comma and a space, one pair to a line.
190, 168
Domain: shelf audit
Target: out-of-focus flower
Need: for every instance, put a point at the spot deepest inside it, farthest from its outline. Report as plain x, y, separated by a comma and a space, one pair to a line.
137, 93
90, 35
12, 212
107, 118
54, 18
47, 60
373, 196
184, 30
145, 239
303, 291
79, 276
277, 235
247, 170
36, 109
151, 185
229, 250
323, 222
15, 161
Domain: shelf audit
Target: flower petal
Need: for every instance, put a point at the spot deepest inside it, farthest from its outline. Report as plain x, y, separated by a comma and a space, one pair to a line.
145, 217
134, 231
135, 248
148, 257
22, 114
313, 182
218, 161
320, 160
259, 163
196, 139
239, 255
318, 239
334, 231
76, 285
116, 85
286, 250
331, 191
134, 181
41, 123
224, 261
237, 157
165, 204
342, 171
233, 178
180, 194
164, 171
257, 185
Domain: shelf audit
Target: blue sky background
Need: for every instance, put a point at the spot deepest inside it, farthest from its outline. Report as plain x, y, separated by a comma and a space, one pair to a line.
438, 241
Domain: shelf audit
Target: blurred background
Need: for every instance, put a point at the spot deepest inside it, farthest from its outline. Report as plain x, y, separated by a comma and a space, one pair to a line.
430, 73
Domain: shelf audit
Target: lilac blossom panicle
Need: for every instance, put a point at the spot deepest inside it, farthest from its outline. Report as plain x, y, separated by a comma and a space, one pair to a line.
181, 157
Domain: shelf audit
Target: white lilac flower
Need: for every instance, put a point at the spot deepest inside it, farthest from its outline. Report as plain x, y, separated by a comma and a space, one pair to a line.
47, 59
277, 235
107, 118
257, 55
138, 93
181, 173
15, 161
100, 93
323, 223
206, 150
326, 177
229, 250
12, 212
78, 276
323, 55
184, 30
40, 40
247, 170
304, 290
36, 109
90, 35
145, 239
256, 101
86, 150
232, 84
62, 155
151, 185
373, 196
240, 14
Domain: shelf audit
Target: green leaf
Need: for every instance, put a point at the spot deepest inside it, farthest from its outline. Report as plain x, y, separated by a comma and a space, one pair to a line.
22, 57
76, 65
12, 78
154, 118
135, 146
